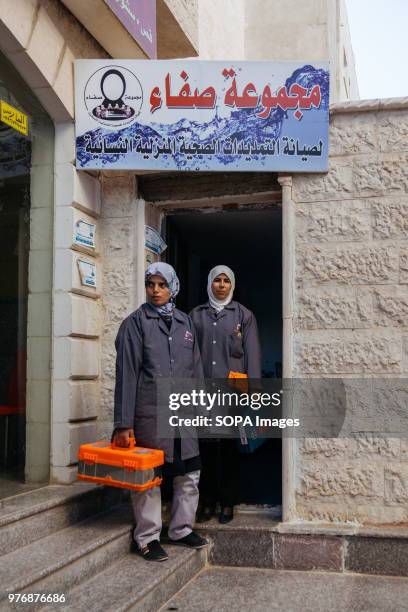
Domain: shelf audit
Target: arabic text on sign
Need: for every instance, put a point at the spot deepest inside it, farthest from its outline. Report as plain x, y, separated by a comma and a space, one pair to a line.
13, 117
296, 98
151, 147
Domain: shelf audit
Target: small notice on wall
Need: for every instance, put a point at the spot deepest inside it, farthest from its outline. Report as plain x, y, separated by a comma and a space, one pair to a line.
153, 241
13, 117
84, 233
87, 272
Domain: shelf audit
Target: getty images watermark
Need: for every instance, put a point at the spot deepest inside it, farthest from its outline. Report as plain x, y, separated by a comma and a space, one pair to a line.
271, 408
220, 400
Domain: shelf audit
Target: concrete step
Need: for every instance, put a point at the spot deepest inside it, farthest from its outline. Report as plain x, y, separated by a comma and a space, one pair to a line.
237, 589
134, 584
61, 560
259, 541
30, 516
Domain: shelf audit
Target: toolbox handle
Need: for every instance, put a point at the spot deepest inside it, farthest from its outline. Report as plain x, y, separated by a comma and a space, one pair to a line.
132, 444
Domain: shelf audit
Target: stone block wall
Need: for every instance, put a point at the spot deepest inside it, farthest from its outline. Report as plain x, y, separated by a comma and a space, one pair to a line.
46, 67
186, 13
75, 389
39, 305
221, 29
122, 221
41, 39
351, 307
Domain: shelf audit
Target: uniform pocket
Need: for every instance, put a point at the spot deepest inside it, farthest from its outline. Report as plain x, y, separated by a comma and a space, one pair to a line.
187, 357
236, 346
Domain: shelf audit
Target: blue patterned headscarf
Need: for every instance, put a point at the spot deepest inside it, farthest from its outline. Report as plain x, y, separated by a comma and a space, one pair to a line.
167, 272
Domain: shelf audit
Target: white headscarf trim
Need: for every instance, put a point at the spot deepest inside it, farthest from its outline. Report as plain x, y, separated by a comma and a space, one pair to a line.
218, 305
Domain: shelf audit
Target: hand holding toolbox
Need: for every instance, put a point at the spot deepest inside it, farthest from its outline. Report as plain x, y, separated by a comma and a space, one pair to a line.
135, 468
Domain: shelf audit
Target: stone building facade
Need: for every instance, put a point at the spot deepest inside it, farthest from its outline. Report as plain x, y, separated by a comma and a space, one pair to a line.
350, 307
346, 304
290, 30
344, 261
39, 42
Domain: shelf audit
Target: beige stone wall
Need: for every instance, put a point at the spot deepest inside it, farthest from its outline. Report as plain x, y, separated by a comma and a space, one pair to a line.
221, 28
39, 304
186, 13
347, 77
290, 30
351, 305
76, 324
308, 30
42, 39
121, 223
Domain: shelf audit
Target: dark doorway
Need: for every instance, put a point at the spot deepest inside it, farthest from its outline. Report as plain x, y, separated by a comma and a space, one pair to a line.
249, 242
15, 168
14, 236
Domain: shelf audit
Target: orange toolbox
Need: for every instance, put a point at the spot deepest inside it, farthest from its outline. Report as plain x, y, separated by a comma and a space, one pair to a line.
134, 467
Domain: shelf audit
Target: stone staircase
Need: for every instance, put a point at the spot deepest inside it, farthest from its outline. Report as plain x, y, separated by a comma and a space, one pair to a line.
75, 540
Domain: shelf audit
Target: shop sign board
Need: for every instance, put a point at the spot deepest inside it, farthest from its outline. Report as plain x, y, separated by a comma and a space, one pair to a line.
139, 18
13, 117
202, 115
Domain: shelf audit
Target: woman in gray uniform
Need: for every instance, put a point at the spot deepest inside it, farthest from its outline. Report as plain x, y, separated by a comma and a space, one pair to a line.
158, 340
228, 338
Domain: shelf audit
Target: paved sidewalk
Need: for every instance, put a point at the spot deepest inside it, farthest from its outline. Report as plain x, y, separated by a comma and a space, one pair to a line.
231, 589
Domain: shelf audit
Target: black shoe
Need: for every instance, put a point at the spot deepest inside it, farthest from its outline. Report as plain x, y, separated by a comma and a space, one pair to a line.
205, 514
226, 515
192, 540
151, 551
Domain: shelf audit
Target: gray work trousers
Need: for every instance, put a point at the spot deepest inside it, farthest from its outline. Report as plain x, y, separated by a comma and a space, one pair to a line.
147, 509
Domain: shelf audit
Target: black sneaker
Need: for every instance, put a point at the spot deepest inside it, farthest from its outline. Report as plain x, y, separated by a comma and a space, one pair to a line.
192, 540
151, 551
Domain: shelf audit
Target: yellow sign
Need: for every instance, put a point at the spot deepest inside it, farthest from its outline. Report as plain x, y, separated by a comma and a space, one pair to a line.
13, 117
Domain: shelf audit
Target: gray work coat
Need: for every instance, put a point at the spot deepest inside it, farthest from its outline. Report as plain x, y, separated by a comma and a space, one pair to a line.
228, 340
145, 351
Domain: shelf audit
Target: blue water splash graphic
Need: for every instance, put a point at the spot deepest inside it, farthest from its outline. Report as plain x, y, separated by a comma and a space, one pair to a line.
242, 126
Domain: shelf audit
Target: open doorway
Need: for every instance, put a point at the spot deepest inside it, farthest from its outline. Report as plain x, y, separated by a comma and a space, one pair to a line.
14, 233
249, 241
26, 209
15, 200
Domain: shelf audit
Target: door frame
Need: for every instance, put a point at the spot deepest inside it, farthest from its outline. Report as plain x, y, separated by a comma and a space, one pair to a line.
255, 201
